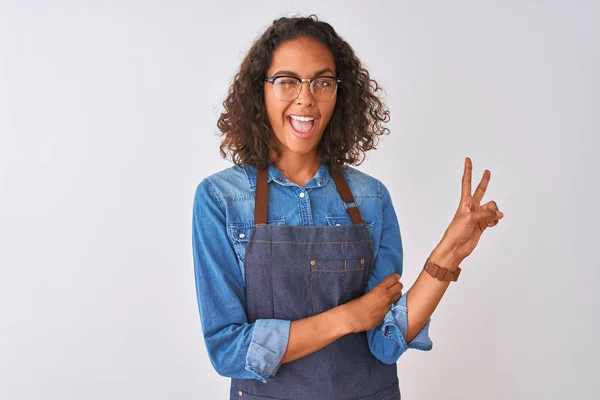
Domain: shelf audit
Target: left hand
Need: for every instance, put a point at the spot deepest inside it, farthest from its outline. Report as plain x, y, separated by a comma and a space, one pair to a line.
471, 218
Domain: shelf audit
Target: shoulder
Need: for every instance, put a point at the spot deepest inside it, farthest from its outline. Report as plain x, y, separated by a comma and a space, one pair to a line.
362, 184
230, 183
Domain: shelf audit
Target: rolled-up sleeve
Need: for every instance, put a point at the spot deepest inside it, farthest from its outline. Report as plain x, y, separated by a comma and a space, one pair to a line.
269, 341
236, 348
387, 340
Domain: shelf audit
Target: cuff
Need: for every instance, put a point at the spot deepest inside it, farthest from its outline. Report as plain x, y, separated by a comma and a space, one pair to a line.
395, 327
267, 347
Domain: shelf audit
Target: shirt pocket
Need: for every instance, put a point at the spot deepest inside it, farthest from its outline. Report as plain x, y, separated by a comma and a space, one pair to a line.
345, 220
240, 234
335, 282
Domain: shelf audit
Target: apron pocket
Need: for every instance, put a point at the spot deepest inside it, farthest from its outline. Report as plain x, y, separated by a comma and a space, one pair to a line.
335, 282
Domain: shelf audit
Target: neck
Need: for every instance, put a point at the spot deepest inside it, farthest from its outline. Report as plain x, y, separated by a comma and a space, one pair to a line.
298, 168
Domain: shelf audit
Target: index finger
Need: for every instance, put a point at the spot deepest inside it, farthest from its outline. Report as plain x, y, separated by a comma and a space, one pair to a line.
466, 179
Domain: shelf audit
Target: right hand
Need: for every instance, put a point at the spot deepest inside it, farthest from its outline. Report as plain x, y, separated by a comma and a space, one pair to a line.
367, 311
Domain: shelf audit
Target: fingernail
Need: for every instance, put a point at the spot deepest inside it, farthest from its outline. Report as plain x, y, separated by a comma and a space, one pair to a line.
499, 214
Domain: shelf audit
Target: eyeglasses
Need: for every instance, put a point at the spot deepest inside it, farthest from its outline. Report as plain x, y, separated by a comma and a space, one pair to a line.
287, 88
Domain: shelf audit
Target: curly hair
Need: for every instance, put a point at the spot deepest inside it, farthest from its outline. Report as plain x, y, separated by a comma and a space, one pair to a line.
357, 118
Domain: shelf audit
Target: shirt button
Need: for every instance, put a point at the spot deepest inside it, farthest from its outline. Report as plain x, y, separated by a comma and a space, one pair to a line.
242, 236
302, 195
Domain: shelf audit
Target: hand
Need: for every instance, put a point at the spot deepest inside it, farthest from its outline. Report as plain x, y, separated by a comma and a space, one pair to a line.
367, 311
471, 218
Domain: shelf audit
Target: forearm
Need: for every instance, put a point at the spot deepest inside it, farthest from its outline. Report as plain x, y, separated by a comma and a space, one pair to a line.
427, 291
311, 334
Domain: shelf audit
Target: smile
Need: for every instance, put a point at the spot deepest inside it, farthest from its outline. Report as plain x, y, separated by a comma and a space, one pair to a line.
302, 127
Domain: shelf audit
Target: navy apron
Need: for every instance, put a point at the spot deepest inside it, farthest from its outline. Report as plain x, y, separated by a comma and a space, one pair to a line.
294, 272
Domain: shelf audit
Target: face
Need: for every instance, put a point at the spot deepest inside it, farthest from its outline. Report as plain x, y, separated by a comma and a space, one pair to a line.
306, 58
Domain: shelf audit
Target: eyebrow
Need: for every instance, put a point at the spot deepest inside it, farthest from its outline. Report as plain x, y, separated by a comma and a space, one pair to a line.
321, 72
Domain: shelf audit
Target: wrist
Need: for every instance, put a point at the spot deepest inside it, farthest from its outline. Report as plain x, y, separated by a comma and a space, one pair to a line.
345, 318
444, 256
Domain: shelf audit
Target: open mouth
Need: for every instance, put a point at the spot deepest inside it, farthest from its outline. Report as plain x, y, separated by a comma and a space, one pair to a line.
302, 127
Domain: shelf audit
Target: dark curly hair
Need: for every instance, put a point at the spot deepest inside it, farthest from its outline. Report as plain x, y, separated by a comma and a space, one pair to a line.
357, 118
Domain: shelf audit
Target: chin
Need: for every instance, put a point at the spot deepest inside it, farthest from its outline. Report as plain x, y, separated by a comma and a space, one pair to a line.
291, 144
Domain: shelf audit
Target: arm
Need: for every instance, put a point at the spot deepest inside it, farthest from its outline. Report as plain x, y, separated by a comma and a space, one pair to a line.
311, 334
459, 240
427, 291
400, 330
236, 348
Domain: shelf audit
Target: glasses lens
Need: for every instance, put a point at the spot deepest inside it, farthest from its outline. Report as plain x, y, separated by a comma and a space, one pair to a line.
324, 88
286, 88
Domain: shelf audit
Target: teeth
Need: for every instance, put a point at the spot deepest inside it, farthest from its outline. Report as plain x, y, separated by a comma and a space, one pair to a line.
298, 118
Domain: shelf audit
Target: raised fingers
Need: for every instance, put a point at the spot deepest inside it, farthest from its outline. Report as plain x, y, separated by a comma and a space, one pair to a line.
466, 179
481, 188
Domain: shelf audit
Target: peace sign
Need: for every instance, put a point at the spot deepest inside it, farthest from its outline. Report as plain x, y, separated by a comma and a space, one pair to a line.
471, 218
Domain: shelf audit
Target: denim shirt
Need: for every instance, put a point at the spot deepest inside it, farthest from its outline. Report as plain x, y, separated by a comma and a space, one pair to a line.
223, 219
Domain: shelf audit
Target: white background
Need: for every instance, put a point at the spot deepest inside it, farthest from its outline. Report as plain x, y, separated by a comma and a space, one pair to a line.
108, 116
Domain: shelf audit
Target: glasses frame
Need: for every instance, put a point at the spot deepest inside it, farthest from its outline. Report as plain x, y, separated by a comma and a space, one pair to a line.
310, 81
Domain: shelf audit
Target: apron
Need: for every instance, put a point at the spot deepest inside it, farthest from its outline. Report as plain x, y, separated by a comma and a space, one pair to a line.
294, 272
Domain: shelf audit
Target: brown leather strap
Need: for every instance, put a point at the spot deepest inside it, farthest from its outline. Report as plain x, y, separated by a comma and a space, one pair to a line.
344, 190
261, 196
441, 273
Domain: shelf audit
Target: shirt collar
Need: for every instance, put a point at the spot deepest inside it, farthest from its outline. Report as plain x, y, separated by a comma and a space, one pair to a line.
321, 178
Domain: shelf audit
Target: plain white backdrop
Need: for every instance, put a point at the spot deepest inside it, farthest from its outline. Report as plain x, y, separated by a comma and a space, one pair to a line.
108, 116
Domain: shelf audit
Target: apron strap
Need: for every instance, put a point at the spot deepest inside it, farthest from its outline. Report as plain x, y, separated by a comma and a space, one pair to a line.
344, 190
261, 196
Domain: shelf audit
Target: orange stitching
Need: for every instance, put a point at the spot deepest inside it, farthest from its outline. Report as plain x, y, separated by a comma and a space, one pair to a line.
345, 276
339, 270
270, 241
314, 289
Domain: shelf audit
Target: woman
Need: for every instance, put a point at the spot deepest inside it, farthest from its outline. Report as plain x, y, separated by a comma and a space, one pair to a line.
297, 255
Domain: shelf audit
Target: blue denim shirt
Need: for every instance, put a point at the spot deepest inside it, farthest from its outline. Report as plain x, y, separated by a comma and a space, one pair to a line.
223, 219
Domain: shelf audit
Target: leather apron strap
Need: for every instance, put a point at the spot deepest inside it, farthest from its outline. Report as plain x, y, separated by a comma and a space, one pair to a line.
261, 196
344, 190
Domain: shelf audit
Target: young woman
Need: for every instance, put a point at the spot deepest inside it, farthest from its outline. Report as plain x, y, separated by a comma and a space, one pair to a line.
297, 255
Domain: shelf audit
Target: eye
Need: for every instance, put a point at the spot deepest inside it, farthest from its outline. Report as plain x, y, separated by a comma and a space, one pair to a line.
287, 82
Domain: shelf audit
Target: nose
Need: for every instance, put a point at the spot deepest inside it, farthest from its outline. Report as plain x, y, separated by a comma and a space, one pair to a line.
305, 97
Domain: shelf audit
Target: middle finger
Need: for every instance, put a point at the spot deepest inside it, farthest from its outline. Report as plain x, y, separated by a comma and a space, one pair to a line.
482, 187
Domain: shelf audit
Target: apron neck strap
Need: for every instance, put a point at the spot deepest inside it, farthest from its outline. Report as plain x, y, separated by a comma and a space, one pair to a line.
261, 196
344, 190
